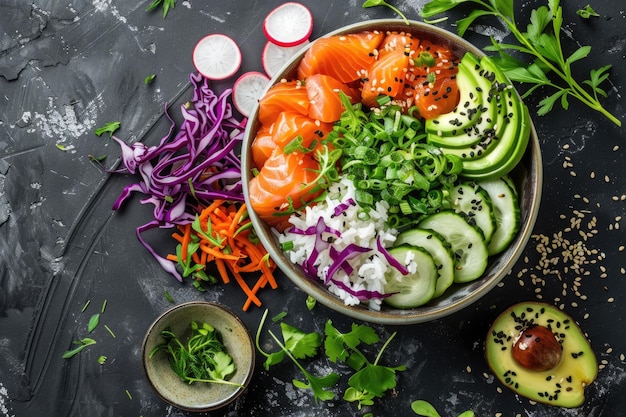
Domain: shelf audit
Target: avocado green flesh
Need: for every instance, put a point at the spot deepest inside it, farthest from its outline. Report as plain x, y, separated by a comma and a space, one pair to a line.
562, 386
461, 127
493, 143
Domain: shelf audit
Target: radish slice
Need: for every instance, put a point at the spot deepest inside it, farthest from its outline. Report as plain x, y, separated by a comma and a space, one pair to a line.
274, 56
247, 91
288, 25
216, 57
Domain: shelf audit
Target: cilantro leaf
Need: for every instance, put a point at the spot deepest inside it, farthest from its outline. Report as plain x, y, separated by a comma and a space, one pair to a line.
375, 379
300, 344
336, 342
318, 385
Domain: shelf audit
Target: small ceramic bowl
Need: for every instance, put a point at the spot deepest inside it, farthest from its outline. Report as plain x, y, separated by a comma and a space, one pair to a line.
528, 178
198, 397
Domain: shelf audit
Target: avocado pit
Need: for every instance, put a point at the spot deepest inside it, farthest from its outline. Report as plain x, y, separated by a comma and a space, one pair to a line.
537, 349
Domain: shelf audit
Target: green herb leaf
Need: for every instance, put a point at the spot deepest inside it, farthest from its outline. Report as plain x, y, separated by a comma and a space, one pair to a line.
586, 12
318, 385
102, 359
374, 379
149, 79
82, 344
579, 54
363, 398
336, 342
300, 344
93, 322
109, 128
465, 23
424, 408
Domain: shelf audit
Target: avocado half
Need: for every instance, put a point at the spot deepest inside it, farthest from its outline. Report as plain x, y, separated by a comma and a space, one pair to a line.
540, 352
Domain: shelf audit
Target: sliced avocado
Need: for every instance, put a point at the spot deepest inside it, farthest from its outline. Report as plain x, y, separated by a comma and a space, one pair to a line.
461, 127
493, 142
539, 352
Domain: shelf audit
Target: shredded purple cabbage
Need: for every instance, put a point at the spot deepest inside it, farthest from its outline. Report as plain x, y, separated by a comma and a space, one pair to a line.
198, 165
341, 208
340, 260
392, 261
363, 295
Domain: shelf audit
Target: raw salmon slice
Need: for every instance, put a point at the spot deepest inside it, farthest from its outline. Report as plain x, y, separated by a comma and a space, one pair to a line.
290, 125
262, 146
386, 76
283, 175
344, 57
430, 84
324, 100
284, 96
398, 40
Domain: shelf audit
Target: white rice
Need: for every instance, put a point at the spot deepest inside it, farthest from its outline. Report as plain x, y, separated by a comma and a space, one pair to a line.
369, 267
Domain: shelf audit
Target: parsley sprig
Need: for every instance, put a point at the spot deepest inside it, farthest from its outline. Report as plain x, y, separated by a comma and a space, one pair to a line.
542, 42
369, 381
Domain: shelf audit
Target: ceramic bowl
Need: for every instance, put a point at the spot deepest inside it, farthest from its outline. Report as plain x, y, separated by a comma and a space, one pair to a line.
198, 397
528, 176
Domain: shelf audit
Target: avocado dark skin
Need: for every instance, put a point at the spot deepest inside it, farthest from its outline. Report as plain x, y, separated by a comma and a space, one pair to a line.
538, 351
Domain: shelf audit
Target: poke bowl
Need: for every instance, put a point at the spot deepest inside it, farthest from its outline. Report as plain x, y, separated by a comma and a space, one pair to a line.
480, 157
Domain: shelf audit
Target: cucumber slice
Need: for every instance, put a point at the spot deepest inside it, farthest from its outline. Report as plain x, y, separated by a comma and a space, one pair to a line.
471, 199
418, 286
438, 248
506, 210
470, 250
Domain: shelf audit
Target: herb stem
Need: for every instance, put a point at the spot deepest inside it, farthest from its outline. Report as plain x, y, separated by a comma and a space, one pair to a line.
575, 88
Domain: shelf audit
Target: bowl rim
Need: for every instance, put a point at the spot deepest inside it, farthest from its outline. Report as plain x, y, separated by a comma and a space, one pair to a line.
469, 292
222, 309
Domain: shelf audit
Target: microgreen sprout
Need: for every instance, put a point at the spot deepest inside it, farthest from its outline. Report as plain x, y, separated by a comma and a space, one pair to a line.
542, 42
202, 358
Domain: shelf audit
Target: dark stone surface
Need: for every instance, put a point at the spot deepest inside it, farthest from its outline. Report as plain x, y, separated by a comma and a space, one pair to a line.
67, 68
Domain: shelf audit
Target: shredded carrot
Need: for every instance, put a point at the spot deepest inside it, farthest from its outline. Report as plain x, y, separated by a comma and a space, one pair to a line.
235, 255
186, 241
